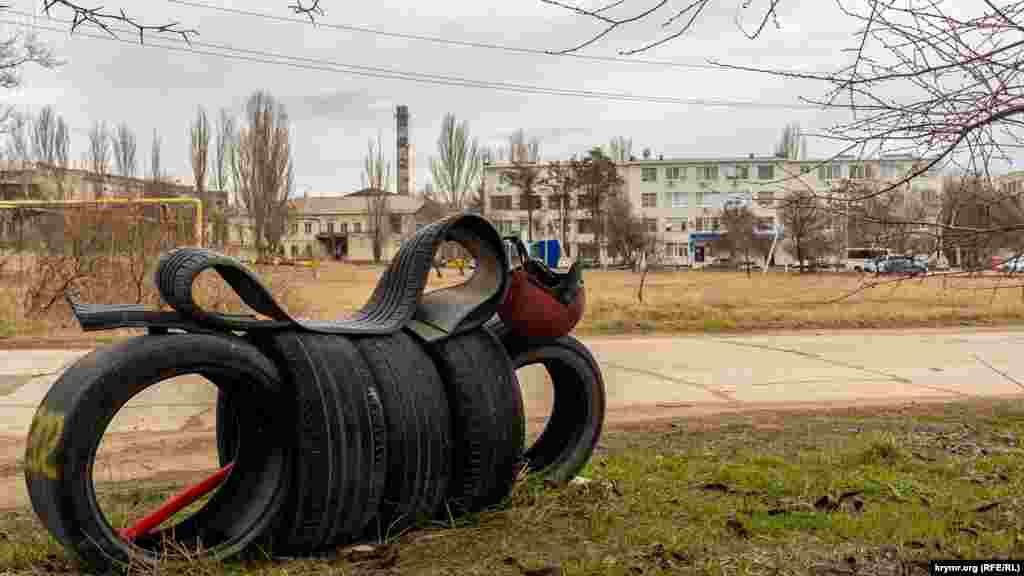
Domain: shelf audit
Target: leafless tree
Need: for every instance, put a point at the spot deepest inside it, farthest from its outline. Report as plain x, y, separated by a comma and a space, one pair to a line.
804, 220
620, 148
458, 164
99, 154
740, 237
17, 137
44, 136
792, 144
599, 180
224, 149
626, 233
923, 79
199, 151
263, 169
971, 209
528, 178
156, 171
376, 179
563, 181
17, 51
125, 147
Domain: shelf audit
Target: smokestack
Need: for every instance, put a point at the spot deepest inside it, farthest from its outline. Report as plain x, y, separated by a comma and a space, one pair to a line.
403, 177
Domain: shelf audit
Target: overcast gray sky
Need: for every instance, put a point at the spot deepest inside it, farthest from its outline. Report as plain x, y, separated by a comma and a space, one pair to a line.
335, 114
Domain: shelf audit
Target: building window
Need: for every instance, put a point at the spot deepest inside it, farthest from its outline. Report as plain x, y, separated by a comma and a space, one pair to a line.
707, 173
583, 227
715, 224
309, 227
675, 225
501, 202
743, 172
649, 174
357, 227
765, 172
765, 197
295, 251
831, 172
856, 171
651, 225
700, 199
295, 229
805, 168
649, 200
675, 173
395, 223
680, 199
344, 227
698, 224
309, 250
330, 227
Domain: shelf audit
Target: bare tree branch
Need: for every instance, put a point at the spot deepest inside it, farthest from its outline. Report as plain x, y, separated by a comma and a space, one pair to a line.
99, 18
311, 11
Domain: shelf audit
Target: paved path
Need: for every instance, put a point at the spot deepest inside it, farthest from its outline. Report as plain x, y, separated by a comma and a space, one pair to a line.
648, 376
169, 426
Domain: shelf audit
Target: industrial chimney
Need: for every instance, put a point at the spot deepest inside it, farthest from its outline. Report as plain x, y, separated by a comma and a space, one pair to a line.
404, 175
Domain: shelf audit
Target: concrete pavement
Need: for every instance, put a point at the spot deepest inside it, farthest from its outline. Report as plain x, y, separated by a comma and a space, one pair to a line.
654, 376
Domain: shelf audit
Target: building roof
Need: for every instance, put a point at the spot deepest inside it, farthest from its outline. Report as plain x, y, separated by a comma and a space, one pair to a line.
352, 204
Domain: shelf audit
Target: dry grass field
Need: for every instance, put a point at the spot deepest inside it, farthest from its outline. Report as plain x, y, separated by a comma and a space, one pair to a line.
674, 302
693, 301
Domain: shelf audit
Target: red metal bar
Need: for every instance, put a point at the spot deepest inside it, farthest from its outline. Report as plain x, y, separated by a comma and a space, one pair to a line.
176, 504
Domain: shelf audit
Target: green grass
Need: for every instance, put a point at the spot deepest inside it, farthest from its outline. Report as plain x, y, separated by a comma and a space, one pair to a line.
854, 492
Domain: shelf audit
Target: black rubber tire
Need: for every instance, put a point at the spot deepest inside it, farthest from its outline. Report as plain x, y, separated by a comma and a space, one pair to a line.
339, 441
70, 422
487, 417
419, 428
577, 416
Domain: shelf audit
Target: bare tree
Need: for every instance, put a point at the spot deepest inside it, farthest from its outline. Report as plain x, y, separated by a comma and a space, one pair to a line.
99, 154
17, 146
939, 81
458, 164
44, 136
50, 145
376, 179
224, 149
739, 236
125, 147
626, 233
17, 137
599, 181
16, 52
263, 169
199, 151
562, 180
804, 220
792, 144
527, 179
620, 148
156, 171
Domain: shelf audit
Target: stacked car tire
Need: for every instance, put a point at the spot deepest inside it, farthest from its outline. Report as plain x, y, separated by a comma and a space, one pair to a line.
333, 439
335, 431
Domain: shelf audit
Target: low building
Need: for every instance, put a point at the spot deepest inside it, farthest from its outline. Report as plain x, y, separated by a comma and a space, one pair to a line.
340, 227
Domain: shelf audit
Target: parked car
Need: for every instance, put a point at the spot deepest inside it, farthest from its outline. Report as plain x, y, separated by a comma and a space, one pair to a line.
902, 266
1012, 265
743, 265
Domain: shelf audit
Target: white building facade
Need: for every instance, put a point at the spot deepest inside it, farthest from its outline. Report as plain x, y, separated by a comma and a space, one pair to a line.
681, 199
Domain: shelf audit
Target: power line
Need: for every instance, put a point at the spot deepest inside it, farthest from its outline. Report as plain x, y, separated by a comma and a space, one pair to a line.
445, 41
303, 63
